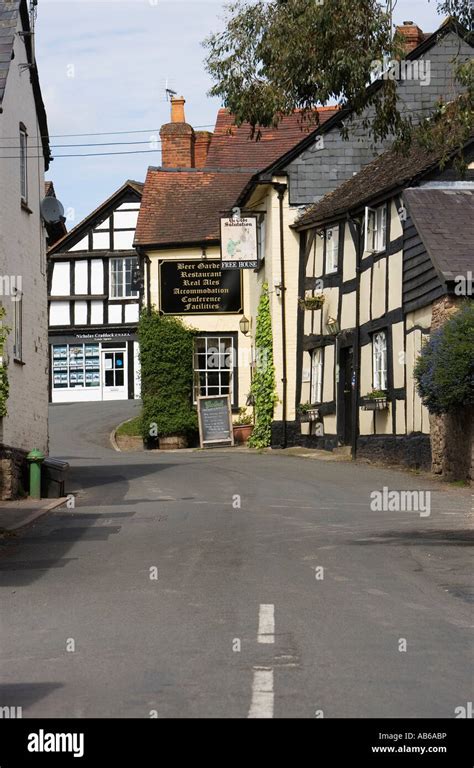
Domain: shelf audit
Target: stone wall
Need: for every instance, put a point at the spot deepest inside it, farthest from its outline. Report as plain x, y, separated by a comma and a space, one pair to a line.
13, 473
452, 445
412, 451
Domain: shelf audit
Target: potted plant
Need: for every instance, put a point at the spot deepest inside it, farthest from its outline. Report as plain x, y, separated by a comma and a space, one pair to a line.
312, 302
242, 426
376, 400
307, 412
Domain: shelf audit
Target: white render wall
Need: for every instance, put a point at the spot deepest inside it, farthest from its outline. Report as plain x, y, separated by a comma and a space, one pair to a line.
23, 254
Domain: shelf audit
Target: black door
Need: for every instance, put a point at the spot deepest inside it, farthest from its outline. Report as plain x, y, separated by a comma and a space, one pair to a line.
346, 369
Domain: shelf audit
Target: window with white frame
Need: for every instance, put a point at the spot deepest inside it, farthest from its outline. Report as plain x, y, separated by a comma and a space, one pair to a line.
331, 236
214, 366
379, 351
316, 375
375, 229
23, 164
122, 277
18, 325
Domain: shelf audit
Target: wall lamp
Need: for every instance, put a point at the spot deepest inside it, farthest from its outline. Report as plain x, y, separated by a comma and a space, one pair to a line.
244, 325
279, 287
333, 326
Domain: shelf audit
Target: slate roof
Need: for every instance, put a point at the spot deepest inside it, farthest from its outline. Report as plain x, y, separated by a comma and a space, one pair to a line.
9, 11
185, 206
444, 219
233, 147
429, 40
389, 171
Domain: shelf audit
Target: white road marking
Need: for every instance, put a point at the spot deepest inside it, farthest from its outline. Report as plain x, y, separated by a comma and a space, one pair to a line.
262, 694
266, 624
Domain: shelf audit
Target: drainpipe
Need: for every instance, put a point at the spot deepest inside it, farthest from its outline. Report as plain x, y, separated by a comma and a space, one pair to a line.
143, 260
281, 189
356, 400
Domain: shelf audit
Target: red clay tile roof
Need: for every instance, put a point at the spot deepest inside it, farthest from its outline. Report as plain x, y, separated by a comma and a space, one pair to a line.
185, 206
233, 147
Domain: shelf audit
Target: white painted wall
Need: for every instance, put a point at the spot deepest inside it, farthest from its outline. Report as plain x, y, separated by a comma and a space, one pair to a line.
23, 253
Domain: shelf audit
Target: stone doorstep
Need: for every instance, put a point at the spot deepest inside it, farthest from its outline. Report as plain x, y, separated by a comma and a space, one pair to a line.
315, 453
17, 514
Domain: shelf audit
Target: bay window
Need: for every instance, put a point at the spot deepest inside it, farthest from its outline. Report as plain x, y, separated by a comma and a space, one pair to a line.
214, 366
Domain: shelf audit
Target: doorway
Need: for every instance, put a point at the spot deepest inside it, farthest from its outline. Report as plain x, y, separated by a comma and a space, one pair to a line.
114, 374
346, 388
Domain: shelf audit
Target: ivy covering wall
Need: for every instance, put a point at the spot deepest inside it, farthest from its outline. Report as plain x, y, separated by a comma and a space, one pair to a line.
263, 386
166, 358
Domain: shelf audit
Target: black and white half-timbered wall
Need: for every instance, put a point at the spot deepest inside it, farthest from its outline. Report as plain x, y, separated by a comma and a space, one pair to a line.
94, 303
375, 279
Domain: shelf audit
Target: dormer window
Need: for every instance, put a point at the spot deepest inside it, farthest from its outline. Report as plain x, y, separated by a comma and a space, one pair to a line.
375, 229
331, 239
23, 164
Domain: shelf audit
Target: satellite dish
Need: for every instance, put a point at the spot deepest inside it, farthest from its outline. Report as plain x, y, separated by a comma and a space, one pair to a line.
52, 210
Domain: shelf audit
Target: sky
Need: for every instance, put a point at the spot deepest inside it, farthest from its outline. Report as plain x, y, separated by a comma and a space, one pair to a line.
104, 66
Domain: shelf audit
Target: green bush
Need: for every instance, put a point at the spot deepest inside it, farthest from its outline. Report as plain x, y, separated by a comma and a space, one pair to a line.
444, 371
166, 357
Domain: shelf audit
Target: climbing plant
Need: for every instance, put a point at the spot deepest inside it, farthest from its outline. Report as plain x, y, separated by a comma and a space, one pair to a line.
263, 386
444, 371
4, 388
166, 357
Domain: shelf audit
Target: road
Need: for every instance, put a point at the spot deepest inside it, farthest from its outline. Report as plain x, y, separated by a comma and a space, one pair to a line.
233, 584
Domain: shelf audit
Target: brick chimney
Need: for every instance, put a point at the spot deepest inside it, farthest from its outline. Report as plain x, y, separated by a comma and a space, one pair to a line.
411, 36
177, 138
201, 149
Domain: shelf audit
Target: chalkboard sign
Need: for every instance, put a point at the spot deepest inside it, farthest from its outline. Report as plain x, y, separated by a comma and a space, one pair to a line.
215, 421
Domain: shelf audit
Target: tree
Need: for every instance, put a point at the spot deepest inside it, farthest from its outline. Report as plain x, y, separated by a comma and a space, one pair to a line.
444, 371
275, 57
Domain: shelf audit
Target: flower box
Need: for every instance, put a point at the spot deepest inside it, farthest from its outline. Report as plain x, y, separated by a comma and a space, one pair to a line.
374, 403
312, 414
312, 302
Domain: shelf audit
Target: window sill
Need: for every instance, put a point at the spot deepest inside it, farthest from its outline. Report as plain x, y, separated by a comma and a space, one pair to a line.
25, 207
124, 298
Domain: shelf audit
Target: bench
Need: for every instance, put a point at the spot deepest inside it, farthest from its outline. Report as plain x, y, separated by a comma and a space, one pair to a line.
53, 479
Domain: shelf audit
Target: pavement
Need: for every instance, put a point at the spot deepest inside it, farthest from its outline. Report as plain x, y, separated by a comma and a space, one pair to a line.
18, 514
234, 584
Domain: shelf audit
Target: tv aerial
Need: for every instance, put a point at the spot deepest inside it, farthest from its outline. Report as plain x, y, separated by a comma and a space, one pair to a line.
52, 210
